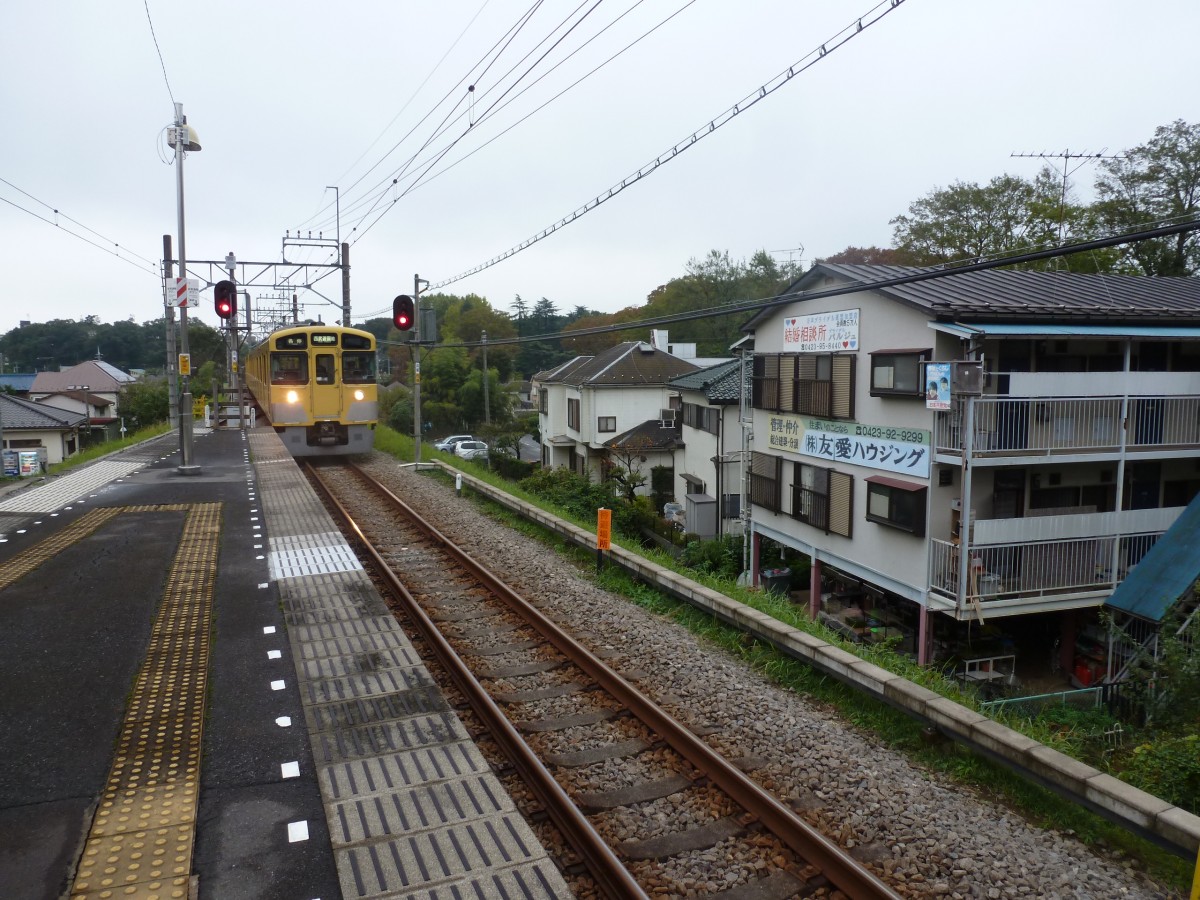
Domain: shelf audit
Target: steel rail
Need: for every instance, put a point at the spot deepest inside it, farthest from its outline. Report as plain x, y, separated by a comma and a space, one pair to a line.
602, 863
839, 867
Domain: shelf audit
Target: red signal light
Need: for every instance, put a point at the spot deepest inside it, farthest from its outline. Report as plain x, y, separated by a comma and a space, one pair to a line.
402, 312
225, 299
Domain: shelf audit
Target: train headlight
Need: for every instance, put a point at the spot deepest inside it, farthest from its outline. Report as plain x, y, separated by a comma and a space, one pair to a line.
358, 395
292, 396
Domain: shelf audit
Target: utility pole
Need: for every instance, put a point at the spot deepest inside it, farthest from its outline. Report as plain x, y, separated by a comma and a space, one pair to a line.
487, 409
184, 140
345, 263
234, 380
417, 282
169, 317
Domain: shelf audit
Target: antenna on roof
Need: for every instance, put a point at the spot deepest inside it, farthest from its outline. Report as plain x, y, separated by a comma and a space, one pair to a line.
1066, 156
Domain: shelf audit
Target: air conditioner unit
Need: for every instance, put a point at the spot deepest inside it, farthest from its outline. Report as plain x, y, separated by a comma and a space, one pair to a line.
666, 418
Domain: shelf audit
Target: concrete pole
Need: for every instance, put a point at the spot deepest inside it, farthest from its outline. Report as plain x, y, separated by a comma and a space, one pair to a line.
417, 370
169, 318
346, 285
185, 395
487, 408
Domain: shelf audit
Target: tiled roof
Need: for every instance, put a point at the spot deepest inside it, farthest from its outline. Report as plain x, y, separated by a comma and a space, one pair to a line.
98, 376
629, 363
17, 413
1011, 294
650, 435
719, 383
559, 372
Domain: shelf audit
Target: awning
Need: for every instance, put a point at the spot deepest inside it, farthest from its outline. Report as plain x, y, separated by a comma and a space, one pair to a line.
561, 440
1165, 573
895, 483
1047, 330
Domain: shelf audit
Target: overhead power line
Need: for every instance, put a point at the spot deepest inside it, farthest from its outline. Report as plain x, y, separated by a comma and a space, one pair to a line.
1192, 223
112, 246
872, 16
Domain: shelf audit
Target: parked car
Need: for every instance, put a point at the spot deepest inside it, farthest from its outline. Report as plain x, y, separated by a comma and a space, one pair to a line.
446, 444
471, 450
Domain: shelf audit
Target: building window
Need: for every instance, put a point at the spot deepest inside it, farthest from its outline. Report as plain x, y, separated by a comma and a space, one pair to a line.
544, 400
898, 373
899, 504
813, 384
823, 498
705, 418
765, 477
694, 485
731, 506
606, 423
573, 414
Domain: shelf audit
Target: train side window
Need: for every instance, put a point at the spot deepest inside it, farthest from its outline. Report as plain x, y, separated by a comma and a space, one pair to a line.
325, 368
289, 368
357, 367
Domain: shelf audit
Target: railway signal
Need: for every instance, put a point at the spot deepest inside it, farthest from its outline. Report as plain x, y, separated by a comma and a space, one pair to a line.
402, 312
225, 299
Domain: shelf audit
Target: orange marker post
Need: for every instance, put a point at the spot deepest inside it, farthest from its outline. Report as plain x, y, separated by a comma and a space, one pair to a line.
603, 535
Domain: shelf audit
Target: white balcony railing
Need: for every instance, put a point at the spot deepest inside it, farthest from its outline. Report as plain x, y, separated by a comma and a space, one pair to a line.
1016, 426
1038, 569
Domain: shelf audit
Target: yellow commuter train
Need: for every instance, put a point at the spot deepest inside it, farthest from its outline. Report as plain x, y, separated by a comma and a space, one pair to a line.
316, 385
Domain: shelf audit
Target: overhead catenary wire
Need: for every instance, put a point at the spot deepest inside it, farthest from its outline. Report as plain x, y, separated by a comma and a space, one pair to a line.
871, 17
450, 117
153, 270
425, 177
487, 60
73, 221
1188, 224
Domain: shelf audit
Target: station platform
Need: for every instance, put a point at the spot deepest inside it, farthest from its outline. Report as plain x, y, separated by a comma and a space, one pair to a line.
203, 696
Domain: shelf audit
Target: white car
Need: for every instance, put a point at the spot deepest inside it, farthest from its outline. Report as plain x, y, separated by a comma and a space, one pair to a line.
447, 444
471, 450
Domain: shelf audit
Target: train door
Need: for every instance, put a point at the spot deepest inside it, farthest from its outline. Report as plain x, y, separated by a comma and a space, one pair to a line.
327, 400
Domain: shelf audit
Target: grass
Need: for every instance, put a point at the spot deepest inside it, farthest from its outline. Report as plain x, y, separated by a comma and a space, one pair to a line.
894, 728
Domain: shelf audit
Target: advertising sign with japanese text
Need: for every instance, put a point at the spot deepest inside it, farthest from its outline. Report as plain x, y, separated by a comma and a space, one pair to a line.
830, 332
902, 450
937, 385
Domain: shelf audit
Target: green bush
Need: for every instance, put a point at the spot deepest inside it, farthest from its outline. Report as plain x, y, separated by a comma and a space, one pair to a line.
575, 493
512, 468
721, 557
1169, 768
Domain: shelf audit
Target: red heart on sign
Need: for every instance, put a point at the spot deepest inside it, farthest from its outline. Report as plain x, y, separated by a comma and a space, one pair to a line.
845, 343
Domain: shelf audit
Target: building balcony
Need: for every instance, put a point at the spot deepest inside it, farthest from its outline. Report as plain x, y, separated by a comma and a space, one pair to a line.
1039, 564
1069, 426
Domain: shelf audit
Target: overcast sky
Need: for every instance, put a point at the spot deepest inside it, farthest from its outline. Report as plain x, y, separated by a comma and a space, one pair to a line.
289, 99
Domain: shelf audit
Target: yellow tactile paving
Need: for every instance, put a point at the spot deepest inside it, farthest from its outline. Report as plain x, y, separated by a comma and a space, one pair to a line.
24, 563
140, 843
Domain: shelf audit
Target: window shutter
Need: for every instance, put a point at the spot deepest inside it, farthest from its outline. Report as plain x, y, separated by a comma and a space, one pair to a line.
842, 400
841, 503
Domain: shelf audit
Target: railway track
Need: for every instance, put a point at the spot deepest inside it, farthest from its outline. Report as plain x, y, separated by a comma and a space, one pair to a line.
641, 802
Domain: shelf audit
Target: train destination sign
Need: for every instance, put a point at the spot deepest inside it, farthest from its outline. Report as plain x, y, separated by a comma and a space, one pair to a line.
892, 449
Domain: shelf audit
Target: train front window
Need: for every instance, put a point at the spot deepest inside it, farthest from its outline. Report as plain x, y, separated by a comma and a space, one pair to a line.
325, 368
357, 367
289, 368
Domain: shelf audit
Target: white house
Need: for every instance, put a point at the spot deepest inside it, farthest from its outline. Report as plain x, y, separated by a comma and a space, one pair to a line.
592, 408
1017, 494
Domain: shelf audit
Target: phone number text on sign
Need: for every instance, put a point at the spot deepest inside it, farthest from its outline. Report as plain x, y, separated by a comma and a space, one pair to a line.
905, 457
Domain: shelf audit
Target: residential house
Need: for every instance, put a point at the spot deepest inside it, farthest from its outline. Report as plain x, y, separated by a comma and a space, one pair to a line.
90, 388
33, 431
595, 411
1016, 495
709, 470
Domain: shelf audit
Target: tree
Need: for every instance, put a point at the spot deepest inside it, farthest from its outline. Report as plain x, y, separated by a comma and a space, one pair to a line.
1152, 184
967, 221
145, 402
869, 256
